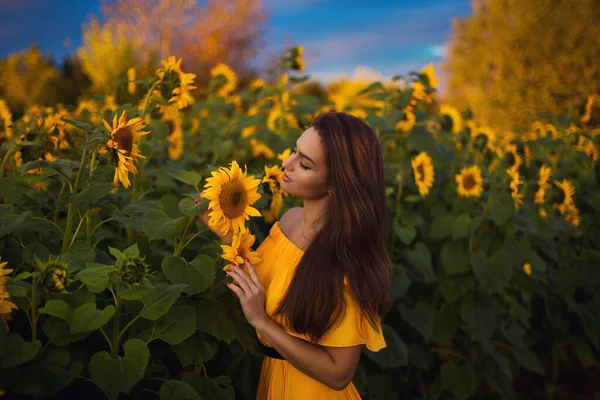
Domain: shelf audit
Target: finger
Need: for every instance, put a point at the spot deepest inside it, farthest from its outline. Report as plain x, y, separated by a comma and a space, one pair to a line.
253, 274
252, 288
236, 289
241, 278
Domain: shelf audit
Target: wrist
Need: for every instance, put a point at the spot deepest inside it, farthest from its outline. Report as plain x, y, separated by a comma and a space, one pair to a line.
262, 324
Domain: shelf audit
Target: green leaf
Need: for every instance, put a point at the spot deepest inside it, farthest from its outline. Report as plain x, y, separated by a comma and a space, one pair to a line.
14, 350
501, 210
461, 227
481, 319
56, 308
177, 390
132, 251
114, 375
405, 233
528, 360
198, 273
158, 225
96, 277
455, 258
394, 355
420, 317
174, 327
400, 283
219, 388
460, 380
92, 193
420, 259
196, 349
493, 273
157, 303
87, 318
134, 292
59, 334
213, 318
189, 177
140, 207
441, 226
13, 223
189, 208
446, 324
78, 124
454, 287
417, 356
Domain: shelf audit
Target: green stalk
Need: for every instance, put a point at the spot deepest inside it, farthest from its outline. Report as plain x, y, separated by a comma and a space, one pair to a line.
7, 156
181, 245
34, 314
116, 331
72, 207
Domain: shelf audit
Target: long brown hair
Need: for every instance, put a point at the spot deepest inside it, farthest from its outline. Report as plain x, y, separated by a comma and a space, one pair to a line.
351, 243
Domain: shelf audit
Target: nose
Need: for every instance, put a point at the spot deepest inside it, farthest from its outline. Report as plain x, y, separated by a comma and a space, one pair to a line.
287, 164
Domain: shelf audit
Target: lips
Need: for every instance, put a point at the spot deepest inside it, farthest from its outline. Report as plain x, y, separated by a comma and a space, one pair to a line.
286, 178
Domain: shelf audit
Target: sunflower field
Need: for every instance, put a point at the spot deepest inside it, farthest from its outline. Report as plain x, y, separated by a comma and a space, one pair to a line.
111, 286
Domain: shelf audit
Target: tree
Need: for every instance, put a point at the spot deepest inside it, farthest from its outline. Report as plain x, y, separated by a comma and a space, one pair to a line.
513, 61
227, 31
106, 55
24, 78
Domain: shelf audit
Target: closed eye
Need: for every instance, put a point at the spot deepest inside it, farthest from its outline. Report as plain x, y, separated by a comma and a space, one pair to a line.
303, 166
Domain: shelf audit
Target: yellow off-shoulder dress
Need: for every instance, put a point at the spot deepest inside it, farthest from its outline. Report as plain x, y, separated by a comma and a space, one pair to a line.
280, 380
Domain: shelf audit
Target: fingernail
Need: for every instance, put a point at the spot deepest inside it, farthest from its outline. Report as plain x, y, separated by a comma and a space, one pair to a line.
228, 270
247, 260
228, 283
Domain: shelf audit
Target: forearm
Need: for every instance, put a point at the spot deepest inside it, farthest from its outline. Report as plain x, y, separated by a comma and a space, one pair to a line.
311, 359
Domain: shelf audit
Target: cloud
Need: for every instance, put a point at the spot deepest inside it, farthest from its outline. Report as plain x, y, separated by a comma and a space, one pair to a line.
438, 50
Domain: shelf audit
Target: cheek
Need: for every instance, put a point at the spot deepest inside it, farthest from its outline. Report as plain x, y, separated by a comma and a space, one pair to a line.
306, 184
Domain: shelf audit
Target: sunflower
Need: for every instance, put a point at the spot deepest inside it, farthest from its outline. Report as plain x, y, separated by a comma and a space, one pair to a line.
572, 215
514, 186
484, 137
587, 109
564, 199
279, 121
545, 174
5, 121
407, 123
274, 207
130, 80
423, 172
182, 96
451, 119
550, 131
6, 306
512, 157
257, 84
527, 268
260, 149
469, 181
429, 71
225, 79
296, 58
240, 248
284, 155
123, 137
172, 117
537, 130
171, 65
231, 194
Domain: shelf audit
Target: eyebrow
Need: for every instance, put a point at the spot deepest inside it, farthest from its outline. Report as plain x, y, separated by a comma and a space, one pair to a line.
304, 155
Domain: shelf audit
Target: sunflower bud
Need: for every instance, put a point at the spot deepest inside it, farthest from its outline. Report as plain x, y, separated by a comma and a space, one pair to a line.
56, 276
134, 270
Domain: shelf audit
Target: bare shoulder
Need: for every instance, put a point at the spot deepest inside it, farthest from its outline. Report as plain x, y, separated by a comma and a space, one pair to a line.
290, 218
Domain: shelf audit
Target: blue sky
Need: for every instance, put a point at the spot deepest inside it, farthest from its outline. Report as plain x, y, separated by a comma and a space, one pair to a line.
386, 36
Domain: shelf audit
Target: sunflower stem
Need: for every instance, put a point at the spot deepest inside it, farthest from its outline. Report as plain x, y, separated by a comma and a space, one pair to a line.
34, 315
182, 243
7, 156
72, 207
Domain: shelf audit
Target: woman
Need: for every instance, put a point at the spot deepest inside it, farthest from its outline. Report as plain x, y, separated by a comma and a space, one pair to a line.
321, 288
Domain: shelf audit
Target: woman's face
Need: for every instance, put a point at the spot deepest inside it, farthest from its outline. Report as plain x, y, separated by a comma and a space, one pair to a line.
306, 169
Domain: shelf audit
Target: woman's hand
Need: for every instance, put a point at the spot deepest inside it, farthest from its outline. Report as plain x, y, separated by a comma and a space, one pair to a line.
227, 239
250, 292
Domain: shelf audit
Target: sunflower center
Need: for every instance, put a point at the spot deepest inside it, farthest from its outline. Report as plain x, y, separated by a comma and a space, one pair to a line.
447, 122
267, 188
510, 159
124, 139
171, 126
481, 141
469, 181
233, 199
421, 171
559, 196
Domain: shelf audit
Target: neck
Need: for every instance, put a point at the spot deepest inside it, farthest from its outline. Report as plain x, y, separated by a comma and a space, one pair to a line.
313, 215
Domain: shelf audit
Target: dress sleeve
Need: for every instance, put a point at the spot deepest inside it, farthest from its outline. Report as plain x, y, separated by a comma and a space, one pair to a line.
353, 329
